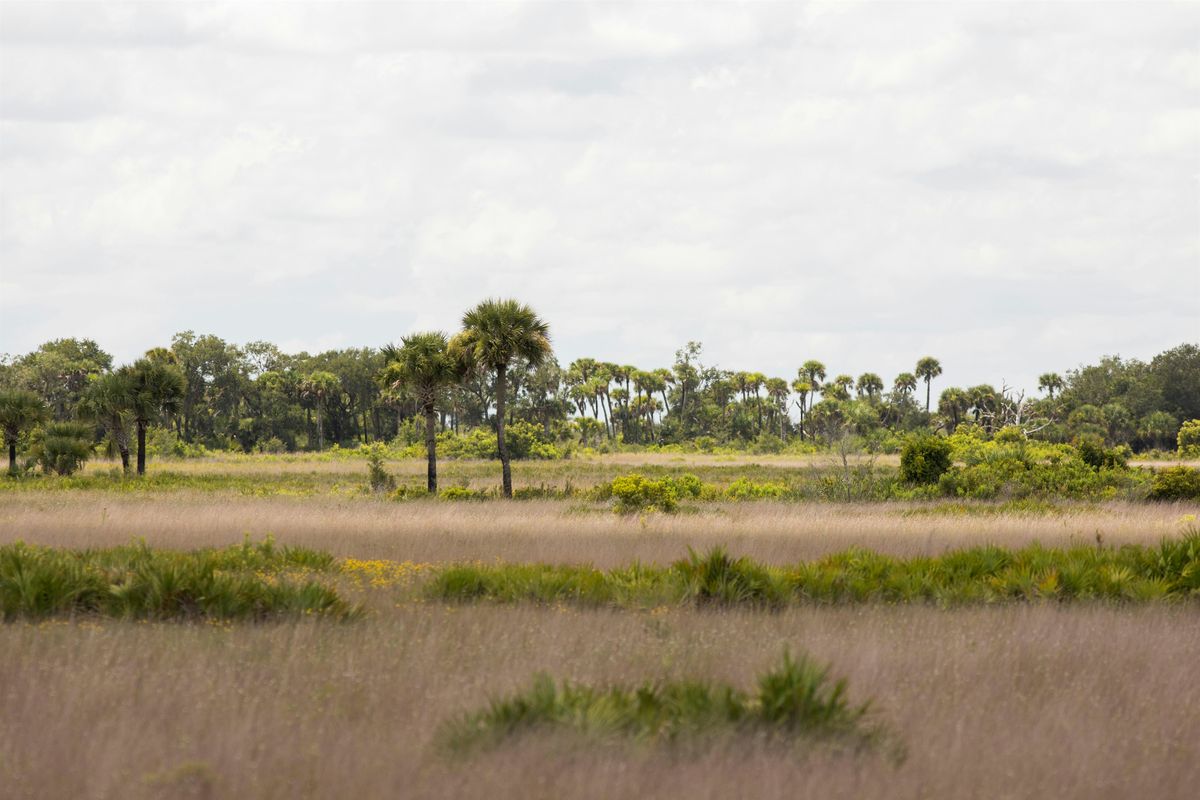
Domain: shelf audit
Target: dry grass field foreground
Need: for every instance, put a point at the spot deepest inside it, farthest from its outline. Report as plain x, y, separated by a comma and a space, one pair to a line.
1082, 702
561, 531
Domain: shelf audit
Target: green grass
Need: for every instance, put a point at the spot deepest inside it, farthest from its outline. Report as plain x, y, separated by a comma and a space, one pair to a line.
1169, 571
795, 700
245, 582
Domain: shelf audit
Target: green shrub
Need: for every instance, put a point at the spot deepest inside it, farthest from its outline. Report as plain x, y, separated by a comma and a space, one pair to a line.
717, 579
1176, 483
796, 698
634, 493
746, 489
924, 459
1093, 453
377, 477
62, 448
453, 493
1188, 439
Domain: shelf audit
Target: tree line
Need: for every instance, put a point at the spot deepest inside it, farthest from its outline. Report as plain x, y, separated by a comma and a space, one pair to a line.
202, 391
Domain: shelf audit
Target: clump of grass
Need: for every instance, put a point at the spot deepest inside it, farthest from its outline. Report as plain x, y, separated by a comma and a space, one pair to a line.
794, 700
988, 574
244, 582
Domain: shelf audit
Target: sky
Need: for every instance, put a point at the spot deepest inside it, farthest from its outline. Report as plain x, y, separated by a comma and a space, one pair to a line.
1010, 188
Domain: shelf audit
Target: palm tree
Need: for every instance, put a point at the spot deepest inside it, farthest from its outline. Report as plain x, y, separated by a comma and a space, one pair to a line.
839, 387
927, 369
1050, 383
107, 400
777, 391
953, 403
905, 384
155, 388
422, 365
319, 386
495, 333
869, 385
814, 372
19, 410
802, 387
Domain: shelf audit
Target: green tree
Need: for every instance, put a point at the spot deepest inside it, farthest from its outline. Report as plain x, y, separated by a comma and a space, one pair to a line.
905, 384
63, 447
20, 410
423, 366
107, 400
927, 369
156, 390
496, 333
320, 386
869, 385
1050, 382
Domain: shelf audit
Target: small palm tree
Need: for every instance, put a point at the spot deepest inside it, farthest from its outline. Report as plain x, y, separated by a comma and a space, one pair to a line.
422, 366
927, 369
869, 385
1050, 383
107, 400
19, 411
905, 384
320, 386
496, 333
155, 390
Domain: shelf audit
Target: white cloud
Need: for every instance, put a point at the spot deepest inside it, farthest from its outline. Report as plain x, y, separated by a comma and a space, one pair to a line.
1010, 187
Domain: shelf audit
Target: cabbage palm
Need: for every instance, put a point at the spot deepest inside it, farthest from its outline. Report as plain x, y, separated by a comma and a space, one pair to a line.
107, 400
320, 386
19, 410
423, 367
155, 389
905, 384
496, 333
927, 369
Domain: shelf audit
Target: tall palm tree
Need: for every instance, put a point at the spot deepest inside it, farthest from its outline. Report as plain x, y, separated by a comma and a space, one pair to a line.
423, 366
319, 386
802, 386
495, 333
814, 373
927, 369
107, 400
19, 410
155, 389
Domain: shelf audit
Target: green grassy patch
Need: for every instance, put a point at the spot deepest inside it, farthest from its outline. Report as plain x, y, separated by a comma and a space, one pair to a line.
795, 700
244, 582
1169, 571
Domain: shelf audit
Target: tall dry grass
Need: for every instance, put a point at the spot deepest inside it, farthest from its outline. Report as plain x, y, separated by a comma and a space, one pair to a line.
555, 531
1090, 702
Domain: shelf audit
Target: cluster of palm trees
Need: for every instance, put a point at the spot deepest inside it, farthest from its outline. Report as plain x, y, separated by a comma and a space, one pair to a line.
495, 334
133, 396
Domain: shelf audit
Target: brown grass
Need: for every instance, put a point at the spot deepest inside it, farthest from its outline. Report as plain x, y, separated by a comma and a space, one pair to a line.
554, 530
1090, 702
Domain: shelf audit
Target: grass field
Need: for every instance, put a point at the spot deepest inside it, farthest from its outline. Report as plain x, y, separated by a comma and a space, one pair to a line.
1087, 700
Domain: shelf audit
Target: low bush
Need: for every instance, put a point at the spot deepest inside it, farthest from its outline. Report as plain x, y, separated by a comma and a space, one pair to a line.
1176, 483
635, 493
924, 459
248, 582
458, 493
795, 699
746, 489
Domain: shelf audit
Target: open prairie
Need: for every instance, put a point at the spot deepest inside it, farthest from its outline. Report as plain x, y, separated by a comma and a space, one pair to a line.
1086, 699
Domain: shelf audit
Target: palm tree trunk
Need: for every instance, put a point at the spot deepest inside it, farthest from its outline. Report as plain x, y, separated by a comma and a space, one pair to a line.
501, 396
927, 383
12, 456
141, 447
320, 429
124, 449
431, 450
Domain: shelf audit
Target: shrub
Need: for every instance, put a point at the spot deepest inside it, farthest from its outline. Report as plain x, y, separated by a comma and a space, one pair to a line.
633, 493
377, 476
1188, 439
1093, 453
1176, 483
63, 447
717, 579
462, 493
746, 489
924, 459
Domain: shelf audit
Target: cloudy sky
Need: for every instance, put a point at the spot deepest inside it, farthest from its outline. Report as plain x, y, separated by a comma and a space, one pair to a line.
1011, 188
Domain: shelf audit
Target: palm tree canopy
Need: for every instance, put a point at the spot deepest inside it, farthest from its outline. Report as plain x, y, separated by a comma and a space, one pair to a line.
154, 388
422, 365
20, 409
928, 368
107, 396
496, 332
905, 383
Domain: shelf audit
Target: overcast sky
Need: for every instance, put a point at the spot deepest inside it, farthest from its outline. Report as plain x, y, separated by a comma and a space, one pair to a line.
1010, 188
